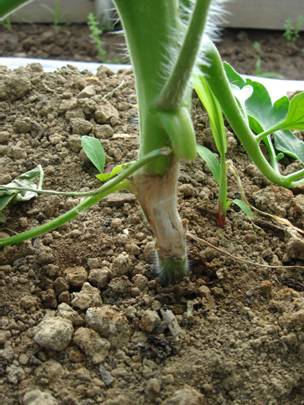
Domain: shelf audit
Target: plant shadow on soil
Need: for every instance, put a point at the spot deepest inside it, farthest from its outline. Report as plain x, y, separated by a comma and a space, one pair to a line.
240, 333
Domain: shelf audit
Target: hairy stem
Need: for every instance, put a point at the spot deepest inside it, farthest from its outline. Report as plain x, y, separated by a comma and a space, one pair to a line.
173, 92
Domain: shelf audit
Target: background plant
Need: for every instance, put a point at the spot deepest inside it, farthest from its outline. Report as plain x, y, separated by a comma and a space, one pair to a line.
292, 30
259, 71
96, 36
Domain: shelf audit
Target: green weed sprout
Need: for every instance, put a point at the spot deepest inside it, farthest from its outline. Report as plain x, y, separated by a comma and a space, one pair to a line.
259, 71
56, 13
292, 30
95, 35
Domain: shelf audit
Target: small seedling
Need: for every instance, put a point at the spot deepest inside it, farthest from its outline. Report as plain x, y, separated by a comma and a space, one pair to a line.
96, 36
7, 24
258, 64
56, 13
292, 30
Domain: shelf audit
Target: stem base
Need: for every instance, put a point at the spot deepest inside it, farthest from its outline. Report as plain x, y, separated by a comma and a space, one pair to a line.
157, 197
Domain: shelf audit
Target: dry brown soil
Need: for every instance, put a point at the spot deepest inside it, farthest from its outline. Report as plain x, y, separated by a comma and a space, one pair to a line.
72, 42
237, 335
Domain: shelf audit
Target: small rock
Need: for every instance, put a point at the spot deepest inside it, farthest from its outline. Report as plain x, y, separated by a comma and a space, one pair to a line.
110, 324
95, 347
4, 136
28, 301
186, 396
187, 190
4, 336
88, 91
140, 281
37, 397
54, 333
296, 319
103, 131
119, 199
266, 288
87, 297
105, 375
17, 152
81, 126
93, 262
22, 125
121, 265
49, 299
118, 288
99, 277
105, 112
15, 87
153, 386
60, 285
149, 321
76, 276
67, 105
64, 297
297, 203
295, 249
67, 312
273, 199
15, 373
149, 252
74, 142
50, 369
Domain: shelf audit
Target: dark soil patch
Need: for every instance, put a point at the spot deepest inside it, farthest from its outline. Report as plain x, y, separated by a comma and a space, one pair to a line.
240, 338
72, 42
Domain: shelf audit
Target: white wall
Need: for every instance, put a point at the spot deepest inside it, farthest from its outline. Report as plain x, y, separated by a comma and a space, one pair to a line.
42, 11
269, 14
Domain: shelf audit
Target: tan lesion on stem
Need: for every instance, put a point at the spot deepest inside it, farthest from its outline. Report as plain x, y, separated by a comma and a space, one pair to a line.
157, 196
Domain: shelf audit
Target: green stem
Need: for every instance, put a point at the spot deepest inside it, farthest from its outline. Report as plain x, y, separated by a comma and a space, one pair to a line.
111, 186
272, 154
263, 135
152, 29
223, 190
148, 26
173, 92
296, 176
217, 80
51, 192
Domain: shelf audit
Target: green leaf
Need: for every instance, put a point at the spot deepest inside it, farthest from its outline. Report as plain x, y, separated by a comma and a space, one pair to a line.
114, 172
289, 144
244, 207
214, 113
5, 200
233, 76
211, 160
92, 147
295, 115
31, 179
262, 114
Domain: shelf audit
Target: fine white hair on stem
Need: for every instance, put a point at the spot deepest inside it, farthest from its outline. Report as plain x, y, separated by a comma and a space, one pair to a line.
214, 23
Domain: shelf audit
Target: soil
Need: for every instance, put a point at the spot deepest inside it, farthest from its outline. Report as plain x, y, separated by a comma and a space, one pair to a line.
84, 321
277, 56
